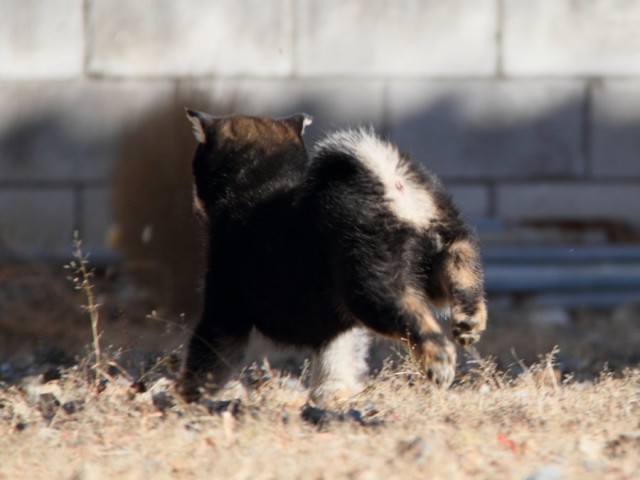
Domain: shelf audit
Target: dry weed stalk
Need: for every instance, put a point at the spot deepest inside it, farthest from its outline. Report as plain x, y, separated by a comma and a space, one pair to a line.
82, 279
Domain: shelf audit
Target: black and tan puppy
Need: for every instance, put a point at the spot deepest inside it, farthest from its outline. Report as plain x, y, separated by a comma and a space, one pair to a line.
320, 252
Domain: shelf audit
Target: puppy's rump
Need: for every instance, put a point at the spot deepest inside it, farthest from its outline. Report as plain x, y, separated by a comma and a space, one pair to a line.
372, 167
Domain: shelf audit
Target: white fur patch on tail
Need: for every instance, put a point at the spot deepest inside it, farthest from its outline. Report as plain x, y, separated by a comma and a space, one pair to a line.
407, 199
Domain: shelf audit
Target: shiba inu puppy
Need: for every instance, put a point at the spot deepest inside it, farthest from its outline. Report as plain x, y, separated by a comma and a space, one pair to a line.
320, 252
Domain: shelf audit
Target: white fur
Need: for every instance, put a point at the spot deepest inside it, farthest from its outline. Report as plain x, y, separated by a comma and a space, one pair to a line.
339, 369
307, 120
196, 126
408, 200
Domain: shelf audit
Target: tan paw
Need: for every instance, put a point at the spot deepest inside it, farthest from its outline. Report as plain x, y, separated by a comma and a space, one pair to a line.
439, 362
467, 330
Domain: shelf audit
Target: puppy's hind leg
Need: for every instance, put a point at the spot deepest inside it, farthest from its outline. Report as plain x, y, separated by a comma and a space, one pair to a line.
339, 368
407, 316
463, 276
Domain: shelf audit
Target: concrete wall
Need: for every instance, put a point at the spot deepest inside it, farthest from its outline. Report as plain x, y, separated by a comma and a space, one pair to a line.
527, 109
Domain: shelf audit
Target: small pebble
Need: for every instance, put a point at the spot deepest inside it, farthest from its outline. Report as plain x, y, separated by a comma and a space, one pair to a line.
163, 401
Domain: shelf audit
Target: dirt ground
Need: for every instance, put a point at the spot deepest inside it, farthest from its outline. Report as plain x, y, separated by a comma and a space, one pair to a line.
515, 413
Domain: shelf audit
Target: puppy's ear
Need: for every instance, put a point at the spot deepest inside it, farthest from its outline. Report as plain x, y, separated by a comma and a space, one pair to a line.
299, 122
200, 123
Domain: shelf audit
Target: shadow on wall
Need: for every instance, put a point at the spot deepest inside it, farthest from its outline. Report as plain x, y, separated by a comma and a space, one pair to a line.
162, 241
493, 145
552, 166
483, 146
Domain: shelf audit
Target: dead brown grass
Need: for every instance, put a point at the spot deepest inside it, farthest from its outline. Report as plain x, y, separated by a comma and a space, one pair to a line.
538, 424
487, 426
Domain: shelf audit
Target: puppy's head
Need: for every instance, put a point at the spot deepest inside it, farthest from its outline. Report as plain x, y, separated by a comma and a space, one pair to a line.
232, 144
241, 131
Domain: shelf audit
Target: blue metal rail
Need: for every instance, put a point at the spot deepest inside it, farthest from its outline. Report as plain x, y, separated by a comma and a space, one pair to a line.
589, 276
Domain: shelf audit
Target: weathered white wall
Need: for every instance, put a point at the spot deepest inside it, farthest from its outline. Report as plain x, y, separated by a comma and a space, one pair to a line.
527, 109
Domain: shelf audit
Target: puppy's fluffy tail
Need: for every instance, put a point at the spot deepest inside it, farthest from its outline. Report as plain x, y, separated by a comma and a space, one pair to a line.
406, 189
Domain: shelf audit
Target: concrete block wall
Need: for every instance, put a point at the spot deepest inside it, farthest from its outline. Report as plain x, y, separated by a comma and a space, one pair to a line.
527, 110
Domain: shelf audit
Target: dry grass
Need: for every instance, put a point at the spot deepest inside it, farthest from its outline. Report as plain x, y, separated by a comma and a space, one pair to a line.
487, 426
54, 423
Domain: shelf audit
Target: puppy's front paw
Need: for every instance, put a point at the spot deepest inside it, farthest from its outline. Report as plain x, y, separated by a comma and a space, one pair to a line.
188, 387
